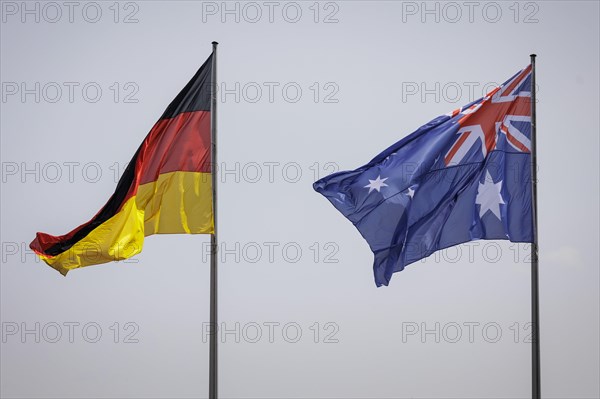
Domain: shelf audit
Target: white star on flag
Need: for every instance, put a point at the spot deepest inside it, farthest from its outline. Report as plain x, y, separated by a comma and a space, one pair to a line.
489, 196
376, 184
411, 192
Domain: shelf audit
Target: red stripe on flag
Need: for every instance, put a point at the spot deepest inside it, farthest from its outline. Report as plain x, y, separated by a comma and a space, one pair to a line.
456, 146
181, 143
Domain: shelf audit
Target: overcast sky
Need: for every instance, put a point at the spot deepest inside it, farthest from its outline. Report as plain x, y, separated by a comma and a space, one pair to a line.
306, 89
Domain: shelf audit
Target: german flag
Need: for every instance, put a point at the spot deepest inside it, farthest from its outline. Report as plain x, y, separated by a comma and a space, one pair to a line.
165, 189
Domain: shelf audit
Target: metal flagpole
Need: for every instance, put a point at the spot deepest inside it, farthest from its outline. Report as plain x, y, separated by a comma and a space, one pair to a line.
212, 366
535, 297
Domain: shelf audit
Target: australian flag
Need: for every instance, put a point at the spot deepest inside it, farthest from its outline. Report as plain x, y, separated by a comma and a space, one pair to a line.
463, 176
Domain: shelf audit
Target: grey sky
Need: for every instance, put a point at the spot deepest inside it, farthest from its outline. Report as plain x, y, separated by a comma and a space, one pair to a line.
294, 261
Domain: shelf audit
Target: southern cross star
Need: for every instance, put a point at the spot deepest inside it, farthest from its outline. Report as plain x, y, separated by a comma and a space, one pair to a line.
376, 184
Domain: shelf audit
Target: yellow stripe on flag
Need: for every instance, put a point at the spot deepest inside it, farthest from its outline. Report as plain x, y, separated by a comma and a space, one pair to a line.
177, 202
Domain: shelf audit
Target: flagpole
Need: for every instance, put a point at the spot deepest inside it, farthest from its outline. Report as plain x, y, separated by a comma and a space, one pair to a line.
535, 297
213, 366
